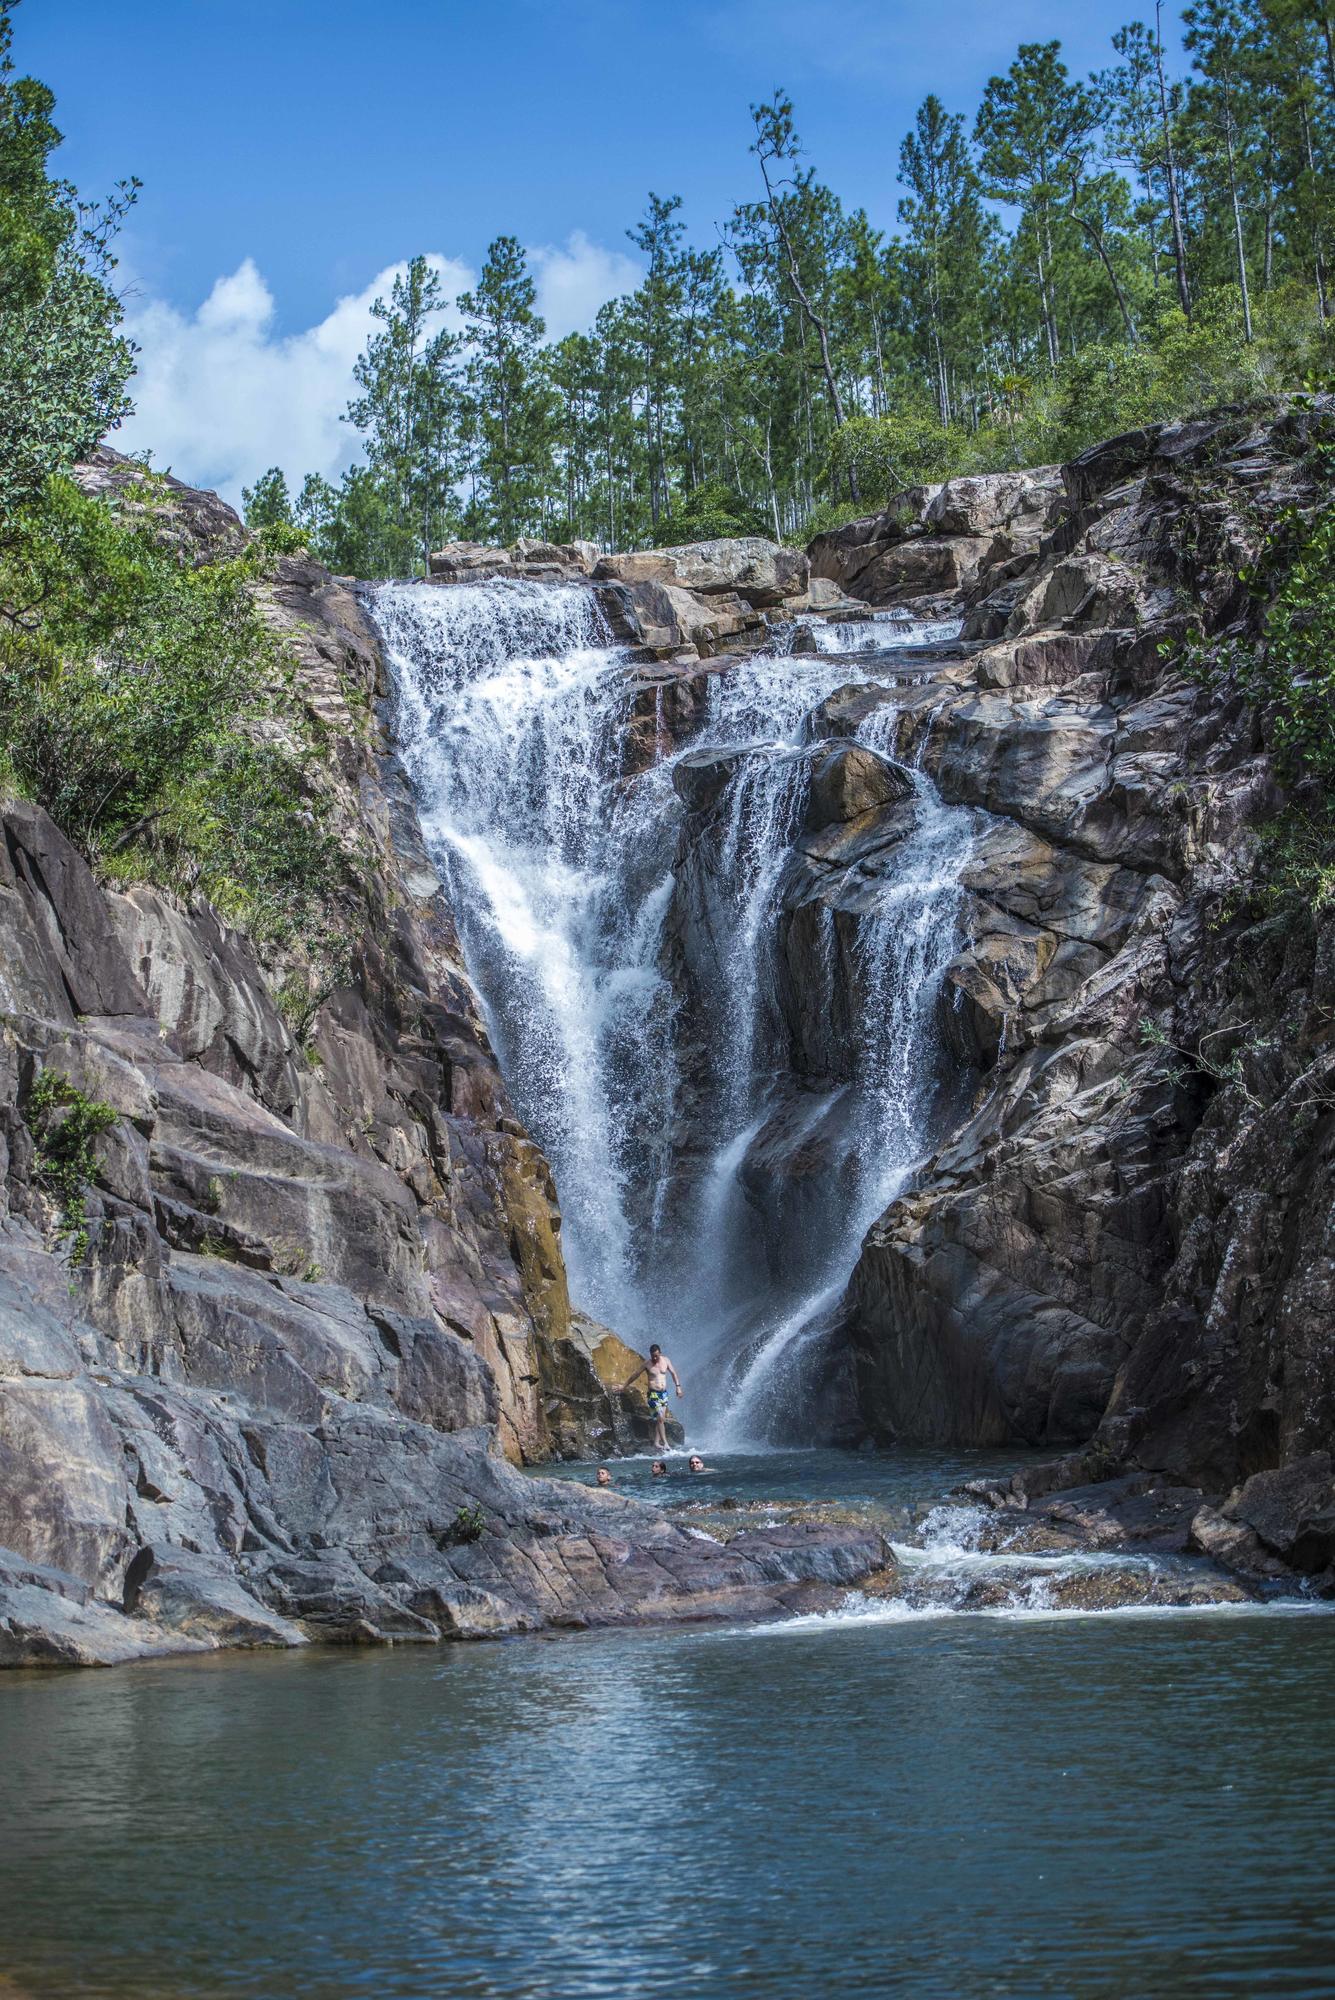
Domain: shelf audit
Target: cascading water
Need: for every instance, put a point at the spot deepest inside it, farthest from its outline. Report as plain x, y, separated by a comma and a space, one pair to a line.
571, 884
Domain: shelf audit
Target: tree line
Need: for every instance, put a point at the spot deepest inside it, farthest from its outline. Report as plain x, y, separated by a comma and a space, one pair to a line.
1077, 255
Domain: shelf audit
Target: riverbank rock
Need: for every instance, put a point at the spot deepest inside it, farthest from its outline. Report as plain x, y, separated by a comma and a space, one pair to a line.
1127, 1238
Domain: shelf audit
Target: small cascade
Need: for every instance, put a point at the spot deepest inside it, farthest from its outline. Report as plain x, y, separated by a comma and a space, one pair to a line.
953, 1563
625, 939
879, 632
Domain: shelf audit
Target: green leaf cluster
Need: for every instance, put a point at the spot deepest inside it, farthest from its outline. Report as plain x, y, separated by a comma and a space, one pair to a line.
1289, 674
63, 363
66, 1124
146, 705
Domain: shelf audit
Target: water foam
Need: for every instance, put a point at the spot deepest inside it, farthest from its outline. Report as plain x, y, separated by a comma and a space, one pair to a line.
511, 709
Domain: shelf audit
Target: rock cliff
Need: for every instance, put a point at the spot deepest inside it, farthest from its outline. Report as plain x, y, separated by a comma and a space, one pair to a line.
322, 1301
1130, 1239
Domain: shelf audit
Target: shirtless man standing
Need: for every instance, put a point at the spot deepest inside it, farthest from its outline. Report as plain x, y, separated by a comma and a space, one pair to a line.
657, 1368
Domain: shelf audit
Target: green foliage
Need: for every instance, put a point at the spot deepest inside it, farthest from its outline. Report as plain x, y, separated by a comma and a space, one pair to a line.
285, 538
1180, 366
410, 415
469, 1525
66, 1124
362, 536
145, 704
1289, 673
267, 504
1292, 672
908, 446
708, 512
63, 365
511, 396
302, 993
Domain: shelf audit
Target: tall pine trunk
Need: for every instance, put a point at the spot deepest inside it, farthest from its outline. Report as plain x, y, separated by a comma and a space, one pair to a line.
1170, 169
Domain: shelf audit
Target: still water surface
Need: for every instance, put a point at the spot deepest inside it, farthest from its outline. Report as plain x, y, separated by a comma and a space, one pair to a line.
1104, 1805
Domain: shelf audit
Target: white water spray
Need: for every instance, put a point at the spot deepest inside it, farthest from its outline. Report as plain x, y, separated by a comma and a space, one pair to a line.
566, 879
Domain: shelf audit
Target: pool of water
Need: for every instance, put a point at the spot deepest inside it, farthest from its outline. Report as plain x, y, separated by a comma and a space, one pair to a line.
876, 1482
1108, 1805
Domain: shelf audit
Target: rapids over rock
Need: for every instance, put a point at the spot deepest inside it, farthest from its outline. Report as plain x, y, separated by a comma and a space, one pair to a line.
713, 979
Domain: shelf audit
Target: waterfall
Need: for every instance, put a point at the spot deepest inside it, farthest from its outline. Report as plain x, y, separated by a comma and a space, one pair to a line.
625, 950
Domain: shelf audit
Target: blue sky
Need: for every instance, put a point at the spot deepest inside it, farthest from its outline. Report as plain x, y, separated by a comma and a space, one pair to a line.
295, 150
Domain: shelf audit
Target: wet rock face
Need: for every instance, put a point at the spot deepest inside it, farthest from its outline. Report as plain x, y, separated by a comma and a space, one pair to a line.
761, 573
962, 538
323, 1300
1129, 1236
848, 781
539, 562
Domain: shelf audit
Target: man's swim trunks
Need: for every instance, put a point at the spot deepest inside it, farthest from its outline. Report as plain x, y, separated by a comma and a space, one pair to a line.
658, 1402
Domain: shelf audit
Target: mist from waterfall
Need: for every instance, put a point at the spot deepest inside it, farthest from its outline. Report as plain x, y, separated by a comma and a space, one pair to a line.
567, 880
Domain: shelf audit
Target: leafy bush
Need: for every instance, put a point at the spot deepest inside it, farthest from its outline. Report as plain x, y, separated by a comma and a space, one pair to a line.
146, 705
708, 513
1289, 673
830, 514
469, 1525
883, 454
1293, 671
66, 1124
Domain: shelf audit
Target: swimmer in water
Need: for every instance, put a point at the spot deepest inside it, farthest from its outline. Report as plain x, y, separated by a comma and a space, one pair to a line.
696, 1463
659, 1469
604, 1477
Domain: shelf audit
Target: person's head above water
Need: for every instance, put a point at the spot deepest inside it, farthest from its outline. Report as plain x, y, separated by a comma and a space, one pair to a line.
660, 1470
696, 1463
604, 1476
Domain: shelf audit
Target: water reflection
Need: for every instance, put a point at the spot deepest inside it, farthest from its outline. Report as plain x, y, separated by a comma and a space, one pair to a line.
951, 1808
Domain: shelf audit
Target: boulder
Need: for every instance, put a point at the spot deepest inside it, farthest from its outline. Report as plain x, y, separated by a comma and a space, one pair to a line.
921, 568
470, 562
1291, 1510
847, 780
475, 562
1023, 502
761, 573
933, 541
701, 777
666, 619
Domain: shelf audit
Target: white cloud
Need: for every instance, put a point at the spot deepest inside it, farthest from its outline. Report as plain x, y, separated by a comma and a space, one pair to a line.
220, 394
575, 280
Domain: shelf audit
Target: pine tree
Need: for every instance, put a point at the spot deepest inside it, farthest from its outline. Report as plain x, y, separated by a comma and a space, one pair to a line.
267, 504
1217, 33
943, 216
1032, 125
507, 381
409, 410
